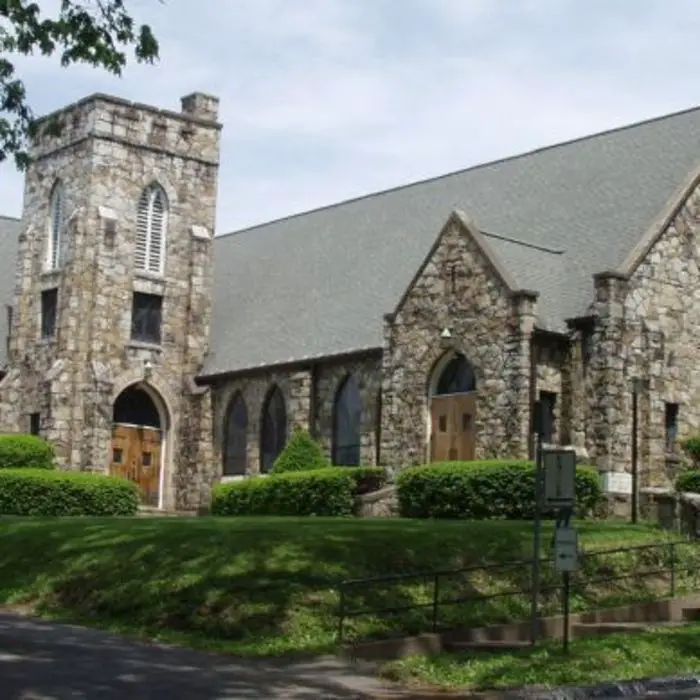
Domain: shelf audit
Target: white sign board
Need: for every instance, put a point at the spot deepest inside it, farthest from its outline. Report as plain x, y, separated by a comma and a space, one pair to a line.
617, 482
559, 477
565, 549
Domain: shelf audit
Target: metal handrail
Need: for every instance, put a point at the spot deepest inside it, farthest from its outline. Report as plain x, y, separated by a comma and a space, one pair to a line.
350, 585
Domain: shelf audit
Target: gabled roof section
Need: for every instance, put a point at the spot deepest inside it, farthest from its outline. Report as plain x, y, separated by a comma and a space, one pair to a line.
9, 236
318, 283
460, 220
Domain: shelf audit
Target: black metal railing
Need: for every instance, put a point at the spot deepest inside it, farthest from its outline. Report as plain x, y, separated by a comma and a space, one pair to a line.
426, 601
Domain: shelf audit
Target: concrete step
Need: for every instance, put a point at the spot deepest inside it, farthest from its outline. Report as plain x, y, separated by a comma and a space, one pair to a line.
691, 614
599, 629
490, 645
150, 512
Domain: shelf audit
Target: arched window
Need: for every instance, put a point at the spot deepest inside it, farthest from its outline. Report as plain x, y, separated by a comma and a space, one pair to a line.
151, 224
57, 213
236, 437
347, 423
273, 434
456, 378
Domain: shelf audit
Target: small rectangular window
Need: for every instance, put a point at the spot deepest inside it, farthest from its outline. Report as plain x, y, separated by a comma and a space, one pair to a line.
442, 424
671, 426
146, 318
548, 400
49, 308
117, 455
34, 423
466, 422
146, 459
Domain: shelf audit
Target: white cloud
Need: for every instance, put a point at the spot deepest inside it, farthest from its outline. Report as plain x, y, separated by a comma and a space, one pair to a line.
327, 99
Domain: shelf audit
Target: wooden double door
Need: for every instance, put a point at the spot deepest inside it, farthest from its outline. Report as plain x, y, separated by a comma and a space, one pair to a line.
453, 434
136, 456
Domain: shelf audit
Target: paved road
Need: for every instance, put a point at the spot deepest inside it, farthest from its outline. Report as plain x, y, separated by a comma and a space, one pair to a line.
42, 661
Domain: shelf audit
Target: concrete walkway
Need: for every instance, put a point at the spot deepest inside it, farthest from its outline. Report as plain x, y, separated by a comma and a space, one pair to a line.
44, 661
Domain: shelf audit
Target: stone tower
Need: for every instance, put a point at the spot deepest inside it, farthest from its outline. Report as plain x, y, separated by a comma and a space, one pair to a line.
112, 305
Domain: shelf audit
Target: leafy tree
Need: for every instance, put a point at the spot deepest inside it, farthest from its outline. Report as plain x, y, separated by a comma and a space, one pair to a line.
95, 32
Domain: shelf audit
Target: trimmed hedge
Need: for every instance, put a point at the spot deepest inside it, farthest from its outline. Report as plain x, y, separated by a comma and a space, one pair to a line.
322, 492
688, 482
301, 454
50, 493
19, 451
487, 490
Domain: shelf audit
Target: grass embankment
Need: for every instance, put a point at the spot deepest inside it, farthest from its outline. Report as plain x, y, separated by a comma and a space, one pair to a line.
654, 654
265, 586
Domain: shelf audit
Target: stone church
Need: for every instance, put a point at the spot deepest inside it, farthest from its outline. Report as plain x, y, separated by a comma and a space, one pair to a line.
416, 324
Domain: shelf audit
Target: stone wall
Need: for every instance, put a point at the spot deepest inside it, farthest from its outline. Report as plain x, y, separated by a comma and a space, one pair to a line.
648, 327
552, 360
295, 385
108, 150
309, 395
458, 289
330, 378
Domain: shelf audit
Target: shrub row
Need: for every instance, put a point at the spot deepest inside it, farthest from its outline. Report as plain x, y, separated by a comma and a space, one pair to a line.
330, 491
25, 452
483, 490
39, 492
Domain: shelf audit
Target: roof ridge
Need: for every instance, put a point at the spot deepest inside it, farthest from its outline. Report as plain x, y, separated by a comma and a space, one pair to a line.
437, 178
10, 218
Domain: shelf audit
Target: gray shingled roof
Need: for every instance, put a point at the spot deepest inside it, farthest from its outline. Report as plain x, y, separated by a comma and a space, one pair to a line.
318, 283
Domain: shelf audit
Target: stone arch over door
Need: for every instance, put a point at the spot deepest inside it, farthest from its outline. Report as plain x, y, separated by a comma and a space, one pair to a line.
141, 430
452, 395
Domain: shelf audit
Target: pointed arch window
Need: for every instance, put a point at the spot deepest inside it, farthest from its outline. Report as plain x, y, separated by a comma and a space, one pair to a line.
236, 438
456, 378
347, 423
273, 434
54, 243
151, 225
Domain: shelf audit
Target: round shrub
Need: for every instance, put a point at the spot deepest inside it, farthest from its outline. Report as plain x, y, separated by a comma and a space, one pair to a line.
25, 452
688, 482
49, 493
487, 490
321, 492
301, 453
691, 447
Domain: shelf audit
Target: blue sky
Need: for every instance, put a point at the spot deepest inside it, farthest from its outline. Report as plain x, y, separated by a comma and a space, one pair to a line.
323, 100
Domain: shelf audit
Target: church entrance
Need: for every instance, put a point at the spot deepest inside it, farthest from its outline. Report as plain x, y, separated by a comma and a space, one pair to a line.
453, 412
137, 443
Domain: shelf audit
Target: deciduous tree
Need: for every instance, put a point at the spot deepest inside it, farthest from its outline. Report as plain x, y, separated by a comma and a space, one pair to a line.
99, 33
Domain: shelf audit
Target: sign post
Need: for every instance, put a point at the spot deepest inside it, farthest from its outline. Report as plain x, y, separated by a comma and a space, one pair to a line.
555, 489
538, 428
566, 561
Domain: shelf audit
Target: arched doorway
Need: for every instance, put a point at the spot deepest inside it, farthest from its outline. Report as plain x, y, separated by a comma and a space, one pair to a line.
453, 410
138, 437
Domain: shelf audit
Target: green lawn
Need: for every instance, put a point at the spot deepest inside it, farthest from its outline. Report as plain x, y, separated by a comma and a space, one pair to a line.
264, 586
657, 653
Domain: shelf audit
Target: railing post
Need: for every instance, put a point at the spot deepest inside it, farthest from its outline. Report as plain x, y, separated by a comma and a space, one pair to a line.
436, 600
341, 614
673, 569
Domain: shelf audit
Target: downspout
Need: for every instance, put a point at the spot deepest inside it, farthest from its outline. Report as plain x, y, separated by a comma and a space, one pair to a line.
532, 397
